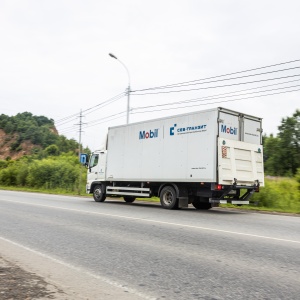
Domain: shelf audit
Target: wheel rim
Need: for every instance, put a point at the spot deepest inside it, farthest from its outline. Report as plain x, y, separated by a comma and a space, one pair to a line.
168, 198
98, 193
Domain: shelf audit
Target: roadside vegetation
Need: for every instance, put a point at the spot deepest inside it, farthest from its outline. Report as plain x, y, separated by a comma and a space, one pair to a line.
52, 166
50, 163
58, 174
280, 194
282, 169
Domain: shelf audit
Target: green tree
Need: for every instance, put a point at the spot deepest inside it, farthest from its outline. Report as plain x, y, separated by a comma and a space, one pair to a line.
52, 150
289, 135
272, 155
9, 127
66, 145
282, 153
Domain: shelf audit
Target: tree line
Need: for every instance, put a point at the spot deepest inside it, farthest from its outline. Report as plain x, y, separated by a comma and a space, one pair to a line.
282, 152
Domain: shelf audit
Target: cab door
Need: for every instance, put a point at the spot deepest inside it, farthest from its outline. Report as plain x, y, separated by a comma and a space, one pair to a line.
97, 167
93, 169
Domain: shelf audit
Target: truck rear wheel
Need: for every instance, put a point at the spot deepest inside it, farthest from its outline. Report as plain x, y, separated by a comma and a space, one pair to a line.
168, 198
201, 205
98, 193
129, 199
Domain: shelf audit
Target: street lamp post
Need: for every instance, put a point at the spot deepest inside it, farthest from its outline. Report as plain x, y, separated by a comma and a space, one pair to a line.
128, 89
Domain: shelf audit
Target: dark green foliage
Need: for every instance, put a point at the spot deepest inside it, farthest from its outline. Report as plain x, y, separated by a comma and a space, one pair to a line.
282, 153
272, 155
66, 145
52, 150
26, 126
298, 178
289, 134
3, 164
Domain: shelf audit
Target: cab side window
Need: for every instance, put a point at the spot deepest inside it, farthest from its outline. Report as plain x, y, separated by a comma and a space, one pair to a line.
94, 160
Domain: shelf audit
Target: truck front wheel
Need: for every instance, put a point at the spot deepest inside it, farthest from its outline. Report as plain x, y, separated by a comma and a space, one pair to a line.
98, 193
168, 198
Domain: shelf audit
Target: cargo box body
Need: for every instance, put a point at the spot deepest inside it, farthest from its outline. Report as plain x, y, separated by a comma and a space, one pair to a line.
188, 148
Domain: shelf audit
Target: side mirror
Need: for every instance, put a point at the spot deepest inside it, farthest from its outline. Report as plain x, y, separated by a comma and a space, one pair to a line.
84, 159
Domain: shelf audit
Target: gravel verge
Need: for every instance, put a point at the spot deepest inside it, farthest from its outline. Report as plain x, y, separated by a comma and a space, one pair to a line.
18, 284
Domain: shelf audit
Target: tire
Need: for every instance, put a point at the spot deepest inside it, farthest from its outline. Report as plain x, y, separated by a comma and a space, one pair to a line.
168, 198
98, 193
201, 205
129, 199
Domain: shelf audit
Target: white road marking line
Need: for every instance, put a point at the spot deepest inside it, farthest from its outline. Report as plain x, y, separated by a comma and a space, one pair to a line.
158, 222
78, 269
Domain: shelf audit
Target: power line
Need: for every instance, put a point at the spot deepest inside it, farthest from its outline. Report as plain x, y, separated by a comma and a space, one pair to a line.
223, 75
223, 101
97, 122
103, 120
112, 99
232, 78
117, 97
65, 118
67, 121
218, 96
218, 86
107, 103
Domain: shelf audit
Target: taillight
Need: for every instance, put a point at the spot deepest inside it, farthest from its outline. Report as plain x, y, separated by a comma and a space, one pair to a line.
218, 187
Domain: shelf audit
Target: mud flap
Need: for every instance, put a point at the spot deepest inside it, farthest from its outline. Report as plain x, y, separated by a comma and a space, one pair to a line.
183, 202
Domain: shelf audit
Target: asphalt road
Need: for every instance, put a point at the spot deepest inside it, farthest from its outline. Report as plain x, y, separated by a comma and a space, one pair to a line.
153, 253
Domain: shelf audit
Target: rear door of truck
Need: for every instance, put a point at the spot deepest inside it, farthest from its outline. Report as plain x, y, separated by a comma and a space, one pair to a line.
240, 155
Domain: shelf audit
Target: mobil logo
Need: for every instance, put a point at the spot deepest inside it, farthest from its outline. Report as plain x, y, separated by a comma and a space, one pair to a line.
229, 130
148, 134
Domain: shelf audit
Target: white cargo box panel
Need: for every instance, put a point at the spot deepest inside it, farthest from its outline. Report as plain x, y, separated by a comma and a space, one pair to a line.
241, 161
177, 149
239, 127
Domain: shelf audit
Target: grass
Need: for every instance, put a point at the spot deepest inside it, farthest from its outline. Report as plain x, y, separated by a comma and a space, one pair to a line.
56, 191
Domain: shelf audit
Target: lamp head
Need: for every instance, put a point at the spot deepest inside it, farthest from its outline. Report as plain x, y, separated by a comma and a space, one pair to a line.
111, 55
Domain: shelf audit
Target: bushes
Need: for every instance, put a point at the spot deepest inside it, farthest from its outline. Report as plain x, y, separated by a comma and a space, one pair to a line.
281, 194
60, 172
50, 173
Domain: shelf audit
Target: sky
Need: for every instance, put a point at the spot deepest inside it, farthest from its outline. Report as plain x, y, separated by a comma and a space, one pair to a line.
54, 60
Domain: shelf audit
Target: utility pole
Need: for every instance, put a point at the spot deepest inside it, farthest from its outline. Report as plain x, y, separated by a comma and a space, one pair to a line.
80, 131
79, 150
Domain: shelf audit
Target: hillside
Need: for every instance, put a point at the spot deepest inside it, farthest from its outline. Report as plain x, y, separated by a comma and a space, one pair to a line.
6, 145
26, 134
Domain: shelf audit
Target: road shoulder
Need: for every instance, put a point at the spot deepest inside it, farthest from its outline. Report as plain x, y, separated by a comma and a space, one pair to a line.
47, 277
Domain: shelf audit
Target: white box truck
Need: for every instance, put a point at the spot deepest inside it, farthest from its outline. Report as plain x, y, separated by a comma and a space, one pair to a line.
201, 158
